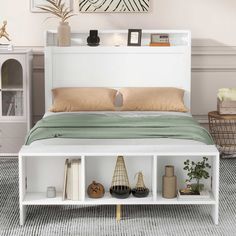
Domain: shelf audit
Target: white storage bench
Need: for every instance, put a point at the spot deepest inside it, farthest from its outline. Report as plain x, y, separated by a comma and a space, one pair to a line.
43, 166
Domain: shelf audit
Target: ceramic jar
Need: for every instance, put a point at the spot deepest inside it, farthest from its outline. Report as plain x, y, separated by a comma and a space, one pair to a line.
63, 34
51, 192
95, 190
169, 183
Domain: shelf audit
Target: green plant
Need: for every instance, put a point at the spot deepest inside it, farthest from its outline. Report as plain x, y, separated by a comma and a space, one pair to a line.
197, 171
58, 9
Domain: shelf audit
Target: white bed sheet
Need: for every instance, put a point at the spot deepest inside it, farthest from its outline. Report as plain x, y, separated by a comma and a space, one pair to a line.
153, 141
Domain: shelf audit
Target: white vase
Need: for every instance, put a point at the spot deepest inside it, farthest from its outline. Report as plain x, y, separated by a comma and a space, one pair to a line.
63, 34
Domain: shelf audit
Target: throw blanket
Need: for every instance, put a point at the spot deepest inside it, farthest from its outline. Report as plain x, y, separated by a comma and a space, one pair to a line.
116, 126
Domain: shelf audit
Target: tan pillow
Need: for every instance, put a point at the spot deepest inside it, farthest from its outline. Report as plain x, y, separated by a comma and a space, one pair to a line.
83, 99
153, 99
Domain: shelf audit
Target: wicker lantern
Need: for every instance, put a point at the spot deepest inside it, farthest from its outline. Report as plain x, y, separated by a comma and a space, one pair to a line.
140, 189
120, 187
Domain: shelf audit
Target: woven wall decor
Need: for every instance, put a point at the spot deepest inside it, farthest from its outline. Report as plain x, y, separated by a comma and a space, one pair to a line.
120, 187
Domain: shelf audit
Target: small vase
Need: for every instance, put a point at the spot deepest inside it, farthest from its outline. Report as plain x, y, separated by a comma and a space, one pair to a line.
63, 34
140, 189
169, 183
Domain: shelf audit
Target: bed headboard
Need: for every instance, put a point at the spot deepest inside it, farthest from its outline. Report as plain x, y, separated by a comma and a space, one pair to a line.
110, 65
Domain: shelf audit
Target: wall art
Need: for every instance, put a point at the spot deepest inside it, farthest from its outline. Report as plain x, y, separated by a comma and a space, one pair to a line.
113, 5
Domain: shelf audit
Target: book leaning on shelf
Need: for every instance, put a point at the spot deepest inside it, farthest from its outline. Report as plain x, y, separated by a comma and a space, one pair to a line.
72, 176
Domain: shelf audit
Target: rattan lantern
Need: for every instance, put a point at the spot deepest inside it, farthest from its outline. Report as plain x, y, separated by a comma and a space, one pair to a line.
140, 189
120, 187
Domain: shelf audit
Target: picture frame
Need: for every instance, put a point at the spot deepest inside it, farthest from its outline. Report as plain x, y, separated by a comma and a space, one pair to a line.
134, 37
35, 3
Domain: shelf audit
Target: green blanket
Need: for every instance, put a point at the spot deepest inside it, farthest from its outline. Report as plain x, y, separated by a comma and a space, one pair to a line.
116, 126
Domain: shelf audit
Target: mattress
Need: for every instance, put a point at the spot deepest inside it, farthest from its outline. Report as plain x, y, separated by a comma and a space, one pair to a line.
146, 141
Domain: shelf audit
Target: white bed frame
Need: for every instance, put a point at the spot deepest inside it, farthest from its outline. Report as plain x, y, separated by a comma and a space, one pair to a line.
113, 66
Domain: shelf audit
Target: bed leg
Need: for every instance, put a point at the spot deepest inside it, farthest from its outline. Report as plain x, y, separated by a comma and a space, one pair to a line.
23, 212
118, 212
215, 213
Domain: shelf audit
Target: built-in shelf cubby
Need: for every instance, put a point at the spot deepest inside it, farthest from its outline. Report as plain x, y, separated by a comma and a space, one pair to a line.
94, 170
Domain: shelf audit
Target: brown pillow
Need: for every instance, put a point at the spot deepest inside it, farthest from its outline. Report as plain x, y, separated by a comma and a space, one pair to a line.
83, 99
153, 99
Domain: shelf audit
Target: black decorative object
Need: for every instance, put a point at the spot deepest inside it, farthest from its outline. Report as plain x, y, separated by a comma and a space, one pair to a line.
120, 187
120, 191
140, 189
93, 39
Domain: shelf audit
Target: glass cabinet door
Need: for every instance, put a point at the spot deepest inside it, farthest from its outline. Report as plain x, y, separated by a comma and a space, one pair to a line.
12, 88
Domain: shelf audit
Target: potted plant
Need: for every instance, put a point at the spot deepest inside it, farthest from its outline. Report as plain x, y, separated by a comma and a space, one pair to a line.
197, 171
59, 10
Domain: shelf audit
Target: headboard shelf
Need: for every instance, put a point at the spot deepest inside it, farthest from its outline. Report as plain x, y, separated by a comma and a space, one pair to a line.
118, 49
121, 66
119, 37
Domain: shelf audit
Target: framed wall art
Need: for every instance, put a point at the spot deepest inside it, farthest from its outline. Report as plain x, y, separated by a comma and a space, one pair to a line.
113, 5
35, 3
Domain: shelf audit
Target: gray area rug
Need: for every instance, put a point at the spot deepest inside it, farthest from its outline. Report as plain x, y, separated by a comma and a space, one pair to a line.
100, 220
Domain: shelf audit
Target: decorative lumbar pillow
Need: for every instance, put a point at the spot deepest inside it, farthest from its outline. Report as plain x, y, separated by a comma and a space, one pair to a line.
153, 99
83, 99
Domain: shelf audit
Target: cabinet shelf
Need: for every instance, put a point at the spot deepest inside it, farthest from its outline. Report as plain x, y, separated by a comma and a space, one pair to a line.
109, 200
39, 198
12, 89
118, 49
175, 201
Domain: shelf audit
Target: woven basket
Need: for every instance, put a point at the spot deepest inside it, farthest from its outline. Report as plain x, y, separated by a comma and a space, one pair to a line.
223, 131
226, 107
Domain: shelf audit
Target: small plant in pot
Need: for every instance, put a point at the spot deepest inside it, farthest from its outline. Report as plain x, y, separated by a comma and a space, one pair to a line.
61, 11
197, 171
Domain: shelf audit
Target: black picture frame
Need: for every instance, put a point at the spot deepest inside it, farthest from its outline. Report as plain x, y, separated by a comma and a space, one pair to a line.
134, 37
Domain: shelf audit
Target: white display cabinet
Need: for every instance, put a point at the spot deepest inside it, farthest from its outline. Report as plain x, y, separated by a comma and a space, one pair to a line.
15, 87
42, 167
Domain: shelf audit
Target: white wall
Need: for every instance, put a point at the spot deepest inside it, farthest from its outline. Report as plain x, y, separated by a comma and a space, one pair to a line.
211, 21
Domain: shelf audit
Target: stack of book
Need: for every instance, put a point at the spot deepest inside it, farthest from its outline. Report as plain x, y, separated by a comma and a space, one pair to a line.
72, 176
161, 40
